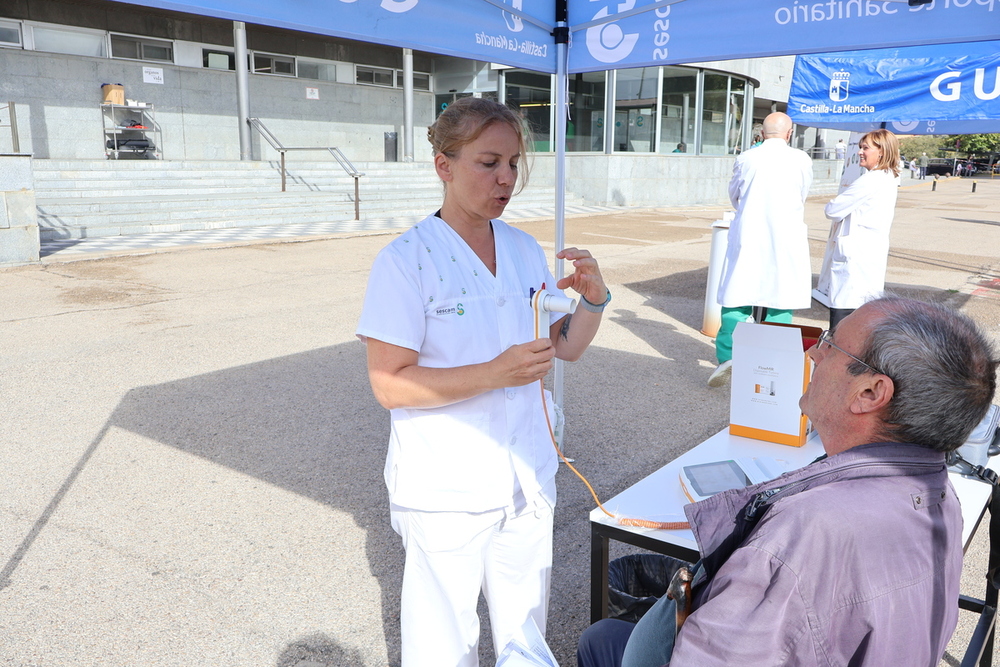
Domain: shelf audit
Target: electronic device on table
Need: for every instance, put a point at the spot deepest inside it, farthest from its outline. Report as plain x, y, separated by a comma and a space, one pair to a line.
704, 480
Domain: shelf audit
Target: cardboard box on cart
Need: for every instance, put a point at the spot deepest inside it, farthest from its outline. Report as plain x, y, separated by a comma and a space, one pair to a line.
114, 93
770, 373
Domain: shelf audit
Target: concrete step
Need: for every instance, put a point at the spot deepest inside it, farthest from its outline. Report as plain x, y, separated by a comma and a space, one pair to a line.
91, 198
149, 209
58, 227
80, 181
65, 167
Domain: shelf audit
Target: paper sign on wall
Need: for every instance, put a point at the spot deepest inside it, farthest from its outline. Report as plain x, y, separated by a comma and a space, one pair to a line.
312, 93
152, 75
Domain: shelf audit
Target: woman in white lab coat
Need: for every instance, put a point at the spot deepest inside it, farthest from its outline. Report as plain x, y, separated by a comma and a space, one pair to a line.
858, 248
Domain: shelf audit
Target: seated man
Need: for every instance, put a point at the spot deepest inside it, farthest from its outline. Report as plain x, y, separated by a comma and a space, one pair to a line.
854, 559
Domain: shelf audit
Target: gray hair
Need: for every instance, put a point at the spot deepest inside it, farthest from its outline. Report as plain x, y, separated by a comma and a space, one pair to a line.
942, 367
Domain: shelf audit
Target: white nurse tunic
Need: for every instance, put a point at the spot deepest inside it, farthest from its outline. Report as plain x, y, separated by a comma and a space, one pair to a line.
429, 292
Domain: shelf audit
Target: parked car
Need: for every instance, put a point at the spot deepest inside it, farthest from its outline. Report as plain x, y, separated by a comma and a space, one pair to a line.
939, 166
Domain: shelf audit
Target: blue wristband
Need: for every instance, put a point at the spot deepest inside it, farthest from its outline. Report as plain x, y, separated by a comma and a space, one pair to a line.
593, 307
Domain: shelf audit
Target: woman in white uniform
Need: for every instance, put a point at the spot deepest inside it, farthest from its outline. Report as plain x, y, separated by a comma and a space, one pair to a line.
858, 248
452, 354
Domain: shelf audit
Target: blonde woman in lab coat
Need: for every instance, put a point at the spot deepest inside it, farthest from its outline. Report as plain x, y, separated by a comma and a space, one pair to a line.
858, 248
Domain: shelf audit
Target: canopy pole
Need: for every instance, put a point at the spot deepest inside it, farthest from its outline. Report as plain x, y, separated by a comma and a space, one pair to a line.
561, 35
242, 87
407, 105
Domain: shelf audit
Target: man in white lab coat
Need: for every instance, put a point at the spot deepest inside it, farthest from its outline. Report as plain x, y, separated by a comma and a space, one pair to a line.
767, 261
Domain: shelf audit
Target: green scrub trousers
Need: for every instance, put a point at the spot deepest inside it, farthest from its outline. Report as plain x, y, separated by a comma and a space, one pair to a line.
733, 316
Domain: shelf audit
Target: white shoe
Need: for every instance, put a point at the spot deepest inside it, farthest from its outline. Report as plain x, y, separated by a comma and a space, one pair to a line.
720, 375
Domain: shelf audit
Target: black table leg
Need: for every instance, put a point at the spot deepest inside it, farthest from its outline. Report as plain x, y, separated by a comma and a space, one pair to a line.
598, 574
993, 573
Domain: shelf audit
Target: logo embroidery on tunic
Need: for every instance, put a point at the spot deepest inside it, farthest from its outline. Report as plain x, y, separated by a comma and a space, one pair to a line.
459, 309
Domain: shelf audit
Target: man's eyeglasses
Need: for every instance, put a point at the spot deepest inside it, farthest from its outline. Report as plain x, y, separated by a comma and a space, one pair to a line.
826, 338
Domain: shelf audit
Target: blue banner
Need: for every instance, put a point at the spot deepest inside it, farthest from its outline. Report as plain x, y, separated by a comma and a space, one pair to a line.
644, 32
952, 89
473, 29
699, 30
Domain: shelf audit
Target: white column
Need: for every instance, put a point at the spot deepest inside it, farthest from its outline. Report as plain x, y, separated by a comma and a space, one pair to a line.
242, 86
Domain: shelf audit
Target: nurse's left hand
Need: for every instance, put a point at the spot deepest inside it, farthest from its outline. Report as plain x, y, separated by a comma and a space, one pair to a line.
586, 279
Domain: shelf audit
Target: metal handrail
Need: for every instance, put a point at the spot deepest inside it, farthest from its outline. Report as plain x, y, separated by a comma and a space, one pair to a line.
14, 141
337, 154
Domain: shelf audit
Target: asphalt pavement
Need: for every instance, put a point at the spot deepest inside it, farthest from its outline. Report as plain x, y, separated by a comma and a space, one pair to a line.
192, 458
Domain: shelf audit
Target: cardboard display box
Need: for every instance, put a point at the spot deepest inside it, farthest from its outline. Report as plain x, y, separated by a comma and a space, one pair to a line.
114, 93
770, 373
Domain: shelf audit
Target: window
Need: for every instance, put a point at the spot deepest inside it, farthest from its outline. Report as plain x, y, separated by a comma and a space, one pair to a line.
215, 59
529, 93
635, 109
585, 129
376, 76
141, 48
74, 42
722, 117
677, 117
421, 81
317, 69
267, 64
10, 33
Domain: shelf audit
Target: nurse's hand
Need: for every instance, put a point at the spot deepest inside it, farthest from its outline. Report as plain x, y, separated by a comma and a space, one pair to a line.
586, 279
523, 364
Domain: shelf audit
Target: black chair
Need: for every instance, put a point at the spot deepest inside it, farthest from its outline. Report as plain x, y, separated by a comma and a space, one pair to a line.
980, 649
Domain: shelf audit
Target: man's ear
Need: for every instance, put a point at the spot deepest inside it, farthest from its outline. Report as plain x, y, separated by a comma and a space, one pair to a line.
442, 165
873, 394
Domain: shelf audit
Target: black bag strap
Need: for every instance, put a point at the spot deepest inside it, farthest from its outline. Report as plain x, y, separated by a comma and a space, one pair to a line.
956, 460
746, 520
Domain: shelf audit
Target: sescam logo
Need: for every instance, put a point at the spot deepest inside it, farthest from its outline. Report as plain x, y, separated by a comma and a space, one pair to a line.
839, 84
394, 6
399, 6
459, 309
514, 23
607, 42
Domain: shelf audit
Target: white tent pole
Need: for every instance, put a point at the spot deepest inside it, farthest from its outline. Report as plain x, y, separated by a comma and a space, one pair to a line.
407, 105
562, 96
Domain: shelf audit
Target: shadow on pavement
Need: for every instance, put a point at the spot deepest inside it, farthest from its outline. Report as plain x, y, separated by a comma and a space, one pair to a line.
317, 649
307, 423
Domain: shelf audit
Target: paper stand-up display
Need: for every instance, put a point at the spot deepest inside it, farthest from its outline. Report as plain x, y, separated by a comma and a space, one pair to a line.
770, 372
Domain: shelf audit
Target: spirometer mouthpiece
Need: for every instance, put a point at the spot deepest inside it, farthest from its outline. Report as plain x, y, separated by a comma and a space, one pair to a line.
542, 302
555, 303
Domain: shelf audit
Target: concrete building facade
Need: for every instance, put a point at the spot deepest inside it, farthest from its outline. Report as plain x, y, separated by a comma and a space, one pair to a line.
653, 136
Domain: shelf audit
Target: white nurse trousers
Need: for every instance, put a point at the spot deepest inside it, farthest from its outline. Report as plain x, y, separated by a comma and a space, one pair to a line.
450, 557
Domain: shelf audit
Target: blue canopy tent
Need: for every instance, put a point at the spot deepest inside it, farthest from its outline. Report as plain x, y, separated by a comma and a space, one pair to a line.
944, 89
610, 34
564, 36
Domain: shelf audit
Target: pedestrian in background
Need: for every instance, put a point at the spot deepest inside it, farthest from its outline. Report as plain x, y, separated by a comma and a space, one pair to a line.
767, 258
857, 251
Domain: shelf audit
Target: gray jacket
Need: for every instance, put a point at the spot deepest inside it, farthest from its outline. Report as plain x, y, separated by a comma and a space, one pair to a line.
857, 562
